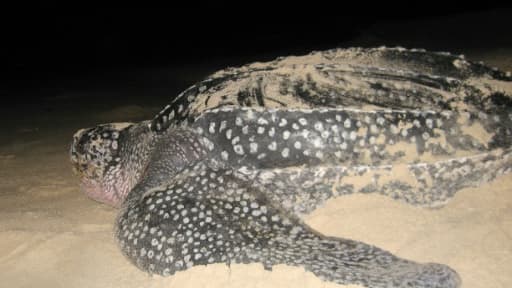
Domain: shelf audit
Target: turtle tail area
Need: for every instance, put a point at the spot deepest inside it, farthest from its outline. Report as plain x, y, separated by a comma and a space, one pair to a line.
349, 262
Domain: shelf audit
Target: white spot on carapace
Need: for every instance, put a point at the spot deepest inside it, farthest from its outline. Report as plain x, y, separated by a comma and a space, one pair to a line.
223, 125
319, 126
286, 134
374, 129
271, 132
353, 135
262, 121
394, 129
211, 128
429, 123
253, 147
238, 149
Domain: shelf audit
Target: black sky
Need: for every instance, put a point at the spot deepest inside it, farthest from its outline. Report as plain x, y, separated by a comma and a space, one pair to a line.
53, 42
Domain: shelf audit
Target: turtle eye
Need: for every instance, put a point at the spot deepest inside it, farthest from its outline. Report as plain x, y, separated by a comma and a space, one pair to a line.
80, 140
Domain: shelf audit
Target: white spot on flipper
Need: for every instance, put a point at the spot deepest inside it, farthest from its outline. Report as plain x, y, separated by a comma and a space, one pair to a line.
285, 153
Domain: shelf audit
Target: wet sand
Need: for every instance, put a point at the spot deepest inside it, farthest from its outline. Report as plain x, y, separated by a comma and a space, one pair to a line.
51, 235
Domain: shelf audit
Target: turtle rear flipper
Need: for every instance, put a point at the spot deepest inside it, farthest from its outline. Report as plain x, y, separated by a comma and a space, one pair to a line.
208, 216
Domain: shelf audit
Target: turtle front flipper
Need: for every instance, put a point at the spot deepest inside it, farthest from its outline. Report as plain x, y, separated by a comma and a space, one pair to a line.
208, 216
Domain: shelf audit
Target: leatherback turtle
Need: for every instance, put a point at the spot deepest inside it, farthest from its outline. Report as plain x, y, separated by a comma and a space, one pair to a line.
226, 171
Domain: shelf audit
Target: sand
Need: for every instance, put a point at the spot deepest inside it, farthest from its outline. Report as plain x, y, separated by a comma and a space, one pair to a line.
51, 235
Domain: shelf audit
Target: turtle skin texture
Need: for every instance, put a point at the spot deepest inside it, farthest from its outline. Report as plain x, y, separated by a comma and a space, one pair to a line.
227, 171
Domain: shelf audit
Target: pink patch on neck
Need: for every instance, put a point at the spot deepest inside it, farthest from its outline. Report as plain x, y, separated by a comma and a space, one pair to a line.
96, 192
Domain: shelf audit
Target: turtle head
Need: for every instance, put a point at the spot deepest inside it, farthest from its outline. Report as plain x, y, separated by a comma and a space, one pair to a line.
98, 156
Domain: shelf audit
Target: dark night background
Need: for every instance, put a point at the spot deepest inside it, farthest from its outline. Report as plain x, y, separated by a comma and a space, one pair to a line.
148, 54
